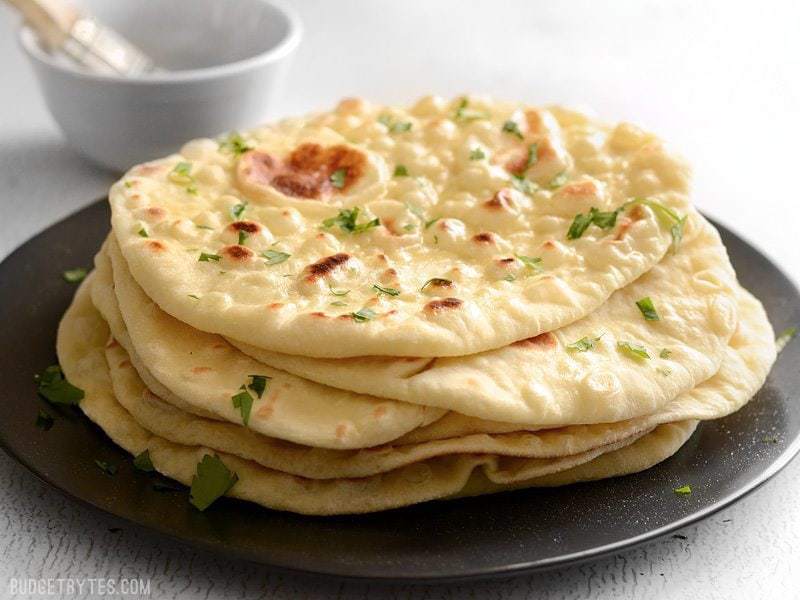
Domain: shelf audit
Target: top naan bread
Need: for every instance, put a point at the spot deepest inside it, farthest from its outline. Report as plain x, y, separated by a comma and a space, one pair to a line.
438, 230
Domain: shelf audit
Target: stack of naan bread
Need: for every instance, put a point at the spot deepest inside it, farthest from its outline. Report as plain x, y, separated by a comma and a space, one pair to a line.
376, 306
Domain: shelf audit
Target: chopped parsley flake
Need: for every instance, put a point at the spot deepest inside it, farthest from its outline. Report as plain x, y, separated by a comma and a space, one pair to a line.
53, 387
607, 220
532, 262
143, 233
558, 180
464, 113
243, 401
259, 383
242, 237
234, 144
684, 490
338, 178
533, 156
44, 421
581, 222
477, 154
431, 222
142, 462
512, 128
128, 184
106, 467
400, 171
523, 184
385, 290
665, 353
365, 314
394, 126
75, 275
437, 281
238, 209
584, 344
274, 257
212, 480
785, 337
205, 257
648, 309
347, 219
634, 351
338, 292
196, 297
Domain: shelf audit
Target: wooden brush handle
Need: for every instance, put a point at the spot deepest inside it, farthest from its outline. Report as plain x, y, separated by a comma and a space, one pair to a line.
51, 19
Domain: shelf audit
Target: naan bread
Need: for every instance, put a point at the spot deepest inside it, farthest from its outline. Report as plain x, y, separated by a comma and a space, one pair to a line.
80, 349
542, 382
201, 372
747, 361
446, 257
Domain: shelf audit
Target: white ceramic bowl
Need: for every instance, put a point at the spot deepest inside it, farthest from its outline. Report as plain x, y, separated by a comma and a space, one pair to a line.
227, 60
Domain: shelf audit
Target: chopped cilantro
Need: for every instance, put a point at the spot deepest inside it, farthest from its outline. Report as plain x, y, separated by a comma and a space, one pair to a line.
532, 262
143, 233
244, 402
400, 171
238, 209
75, 275
581, 222
437, 281
275, 257
44, 421
584, 344
431, 222
666, 215
212, 480
785, 337
635, 351
522, 184
512, 128
347, 219
259, 383
338, 292
196, 297
665, 353
648, 309
142, 462
558, 180
385, 290
533, 156
242, 237
464, 113
182, 172
106, 467
684, 490
204, 227
53, 387
338, 178
509, 278
234, 144
394, 126
128, 184
205, 257
477, 154
365, 314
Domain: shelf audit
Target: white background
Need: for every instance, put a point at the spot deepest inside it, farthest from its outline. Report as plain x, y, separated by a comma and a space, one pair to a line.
719, 80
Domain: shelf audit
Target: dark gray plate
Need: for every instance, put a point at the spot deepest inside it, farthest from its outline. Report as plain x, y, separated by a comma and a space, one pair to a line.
479, 537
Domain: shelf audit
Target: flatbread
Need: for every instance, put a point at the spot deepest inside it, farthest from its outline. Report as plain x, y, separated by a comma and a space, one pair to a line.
80, 347
747, 360
201, 372
205, 232
537, 382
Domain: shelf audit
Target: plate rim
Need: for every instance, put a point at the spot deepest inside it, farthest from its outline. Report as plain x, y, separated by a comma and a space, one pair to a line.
780, 462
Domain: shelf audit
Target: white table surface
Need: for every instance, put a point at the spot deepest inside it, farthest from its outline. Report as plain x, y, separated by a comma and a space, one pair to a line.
720, 80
